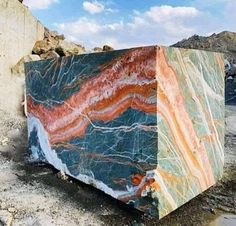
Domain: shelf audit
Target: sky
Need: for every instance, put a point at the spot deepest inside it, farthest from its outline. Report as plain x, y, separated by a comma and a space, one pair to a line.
130, 23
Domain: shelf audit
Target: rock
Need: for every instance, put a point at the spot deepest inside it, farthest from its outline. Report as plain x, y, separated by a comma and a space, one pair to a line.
52, 38
61, 175
20, 1
49, 55
52, 34
4, 141
48, 33
6, 218
231, 70
212, 211
97, 49
65, 48
42, 46
107, 48
11, 210
3, 205
19, 68
103, 49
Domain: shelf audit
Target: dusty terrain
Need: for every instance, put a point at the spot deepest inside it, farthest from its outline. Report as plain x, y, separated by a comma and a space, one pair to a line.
33, 194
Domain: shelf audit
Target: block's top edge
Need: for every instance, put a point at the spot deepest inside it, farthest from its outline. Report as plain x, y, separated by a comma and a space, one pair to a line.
118, 50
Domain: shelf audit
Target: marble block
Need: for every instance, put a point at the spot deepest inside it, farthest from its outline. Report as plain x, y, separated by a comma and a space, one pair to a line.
144, 125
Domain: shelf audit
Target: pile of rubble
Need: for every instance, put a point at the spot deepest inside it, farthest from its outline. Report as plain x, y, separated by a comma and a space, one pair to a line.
53, 45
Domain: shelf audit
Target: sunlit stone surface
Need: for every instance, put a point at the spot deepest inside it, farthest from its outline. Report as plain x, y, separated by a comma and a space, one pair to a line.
145, 125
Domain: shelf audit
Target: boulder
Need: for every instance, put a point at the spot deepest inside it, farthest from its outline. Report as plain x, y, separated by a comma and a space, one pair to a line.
107, 48
52, 38
50, 54
42, 46
52, 34
97, 49
19, 68
65, 48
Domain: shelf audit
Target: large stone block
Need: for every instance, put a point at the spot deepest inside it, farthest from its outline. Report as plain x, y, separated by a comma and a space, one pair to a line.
144, 125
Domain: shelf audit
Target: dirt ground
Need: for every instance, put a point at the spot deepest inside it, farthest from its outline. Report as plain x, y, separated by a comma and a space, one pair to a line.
34, 195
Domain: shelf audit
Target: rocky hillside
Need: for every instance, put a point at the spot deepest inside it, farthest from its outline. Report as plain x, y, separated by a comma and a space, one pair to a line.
223, 42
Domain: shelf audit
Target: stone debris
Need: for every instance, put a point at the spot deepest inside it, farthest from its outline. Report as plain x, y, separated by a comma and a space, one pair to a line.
97, 49
4, 141
53, 46
50, 54
61, 175
65, 48
41, 47
107, 48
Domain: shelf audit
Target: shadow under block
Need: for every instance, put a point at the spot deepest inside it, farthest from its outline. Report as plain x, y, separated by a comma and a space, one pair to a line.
144, 125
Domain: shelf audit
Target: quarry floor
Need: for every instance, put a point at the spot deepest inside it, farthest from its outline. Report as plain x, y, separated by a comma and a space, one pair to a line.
34, 194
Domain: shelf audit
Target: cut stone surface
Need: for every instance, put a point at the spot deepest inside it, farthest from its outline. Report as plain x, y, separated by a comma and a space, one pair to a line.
19, 30
144, 125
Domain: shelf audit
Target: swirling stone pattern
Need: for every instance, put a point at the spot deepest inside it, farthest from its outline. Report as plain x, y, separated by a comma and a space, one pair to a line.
144, 125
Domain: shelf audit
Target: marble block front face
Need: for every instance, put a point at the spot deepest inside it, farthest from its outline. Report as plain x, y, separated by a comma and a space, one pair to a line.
144, 125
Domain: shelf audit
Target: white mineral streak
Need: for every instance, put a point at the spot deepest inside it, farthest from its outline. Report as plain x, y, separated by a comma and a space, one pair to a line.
52, 158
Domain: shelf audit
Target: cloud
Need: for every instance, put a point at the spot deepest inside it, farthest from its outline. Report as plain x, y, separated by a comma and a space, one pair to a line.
222, 13
160, 24
229, 12
39, 4
93, 7
169, 13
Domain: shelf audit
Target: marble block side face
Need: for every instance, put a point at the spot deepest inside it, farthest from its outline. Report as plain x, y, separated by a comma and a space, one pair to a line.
144, 125
190, 121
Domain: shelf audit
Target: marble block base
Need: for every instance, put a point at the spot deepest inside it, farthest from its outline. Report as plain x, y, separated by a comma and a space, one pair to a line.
144, 125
